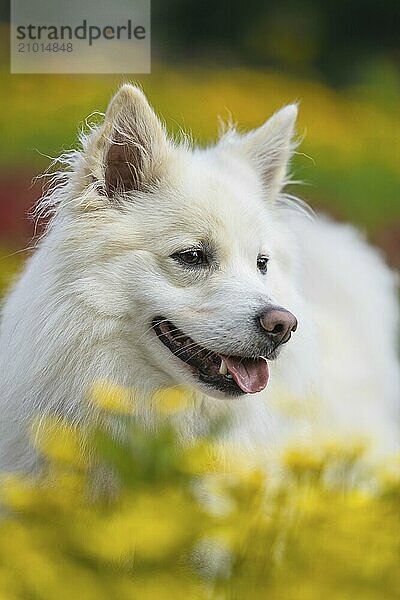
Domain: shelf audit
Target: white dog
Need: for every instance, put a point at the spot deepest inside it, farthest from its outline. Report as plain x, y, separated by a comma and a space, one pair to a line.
165, 265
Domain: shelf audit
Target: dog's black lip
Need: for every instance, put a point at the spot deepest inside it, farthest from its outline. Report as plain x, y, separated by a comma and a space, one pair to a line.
219, 382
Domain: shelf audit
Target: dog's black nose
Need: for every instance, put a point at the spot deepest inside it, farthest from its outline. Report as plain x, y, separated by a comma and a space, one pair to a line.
279, 324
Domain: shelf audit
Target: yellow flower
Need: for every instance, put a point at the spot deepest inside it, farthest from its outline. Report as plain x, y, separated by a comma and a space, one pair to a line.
112, 398
18, 493
170, 400
166, 586
203, 457
61, 441
144, 526
304, 460
345, 449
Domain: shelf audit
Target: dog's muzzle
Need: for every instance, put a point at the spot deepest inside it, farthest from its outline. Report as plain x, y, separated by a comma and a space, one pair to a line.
278, 324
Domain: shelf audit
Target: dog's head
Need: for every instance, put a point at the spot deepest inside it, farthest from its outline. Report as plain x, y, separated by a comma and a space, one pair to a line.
188, 248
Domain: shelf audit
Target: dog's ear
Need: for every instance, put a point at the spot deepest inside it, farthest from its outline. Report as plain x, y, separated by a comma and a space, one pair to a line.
132, 144
270, 148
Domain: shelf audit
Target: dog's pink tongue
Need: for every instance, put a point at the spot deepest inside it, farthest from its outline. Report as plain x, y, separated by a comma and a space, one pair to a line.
251, 375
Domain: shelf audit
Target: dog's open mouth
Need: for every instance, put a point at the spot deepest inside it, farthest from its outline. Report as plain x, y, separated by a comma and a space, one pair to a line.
232, 375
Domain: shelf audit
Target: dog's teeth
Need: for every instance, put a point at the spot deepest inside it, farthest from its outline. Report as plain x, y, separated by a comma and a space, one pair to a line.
223, 369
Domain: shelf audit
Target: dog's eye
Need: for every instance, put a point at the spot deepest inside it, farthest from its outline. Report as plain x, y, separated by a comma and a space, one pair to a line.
192, 258
262, 264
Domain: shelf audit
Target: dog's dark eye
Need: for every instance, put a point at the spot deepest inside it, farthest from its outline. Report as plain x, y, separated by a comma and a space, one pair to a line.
192, 258
262, 264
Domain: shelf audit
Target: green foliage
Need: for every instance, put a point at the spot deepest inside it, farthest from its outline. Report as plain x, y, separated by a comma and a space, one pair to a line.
349, 165
9, 266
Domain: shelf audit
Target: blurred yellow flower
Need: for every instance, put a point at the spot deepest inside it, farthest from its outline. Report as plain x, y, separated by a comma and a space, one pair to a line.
202, 458
140, 527
17, 493
195, 521
304, 460
345, 450
171, 400
60, 441
112, 398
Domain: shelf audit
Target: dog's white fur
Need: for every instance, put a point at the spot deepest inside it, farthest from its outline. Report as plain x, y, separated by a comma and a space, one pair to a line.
82, 309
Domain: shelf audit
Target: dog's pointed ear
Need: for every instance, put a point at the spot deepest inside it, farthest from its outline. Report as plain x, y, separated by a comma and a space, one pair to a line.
132, 144
270, 148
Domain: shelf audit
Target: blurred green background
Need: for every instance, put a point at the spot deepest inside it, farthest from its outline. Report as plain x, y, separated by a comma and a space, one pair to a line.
339, 59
